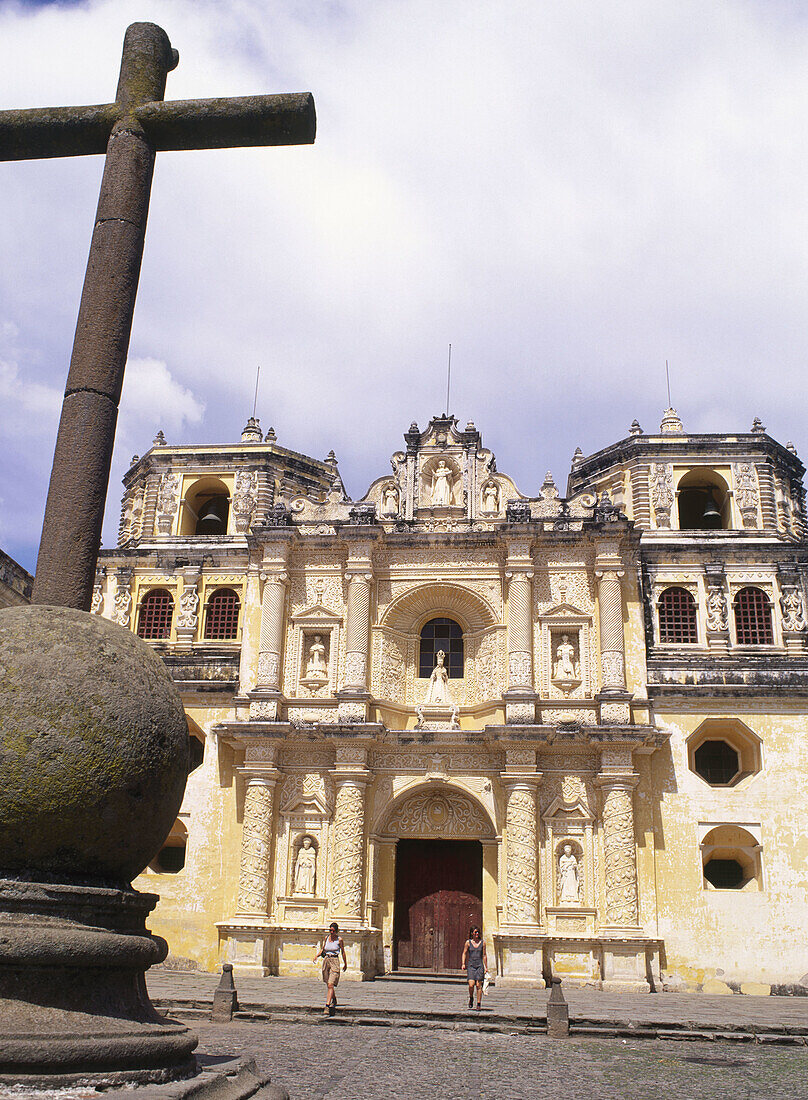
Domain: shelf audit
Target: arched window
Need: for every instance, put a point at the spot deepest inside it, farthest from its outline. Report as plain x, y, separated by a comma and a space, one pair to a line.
442, 634
730, 859
677, 617
170, 860
156, 613
753, 617
221, 615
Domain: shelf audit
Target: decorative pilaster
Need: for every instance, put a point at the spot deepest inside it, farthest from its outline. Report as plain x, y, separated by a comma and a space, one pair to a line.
256, 845
123, 598
717, 618
348, 839
792, 606
150, 504
520, 780
619, 850
188, 617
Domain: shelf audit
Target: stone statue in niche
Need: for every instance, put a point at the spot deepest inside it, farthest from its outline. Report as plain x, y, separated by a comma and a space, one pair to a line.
438, 690
567, 667
491, 497
306, 868
442, 485
390, 501
569, 878
317, 666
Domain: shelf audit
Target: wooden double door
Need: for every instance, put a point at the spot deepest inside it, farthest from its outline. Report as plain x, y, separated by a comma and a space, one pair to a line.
439, 895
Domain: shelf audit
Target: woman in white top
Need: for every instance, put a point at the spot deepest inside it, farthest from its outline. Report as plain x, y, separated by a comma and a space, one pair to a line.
330, 951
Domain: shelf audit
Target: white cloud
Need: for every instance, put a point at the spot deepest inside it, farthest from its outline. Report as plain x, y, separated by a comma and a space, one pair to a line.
569, 193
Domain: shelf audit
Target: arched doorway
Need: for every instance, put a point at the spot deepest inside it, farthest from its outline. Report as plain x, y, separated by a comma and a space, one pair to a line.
439, 834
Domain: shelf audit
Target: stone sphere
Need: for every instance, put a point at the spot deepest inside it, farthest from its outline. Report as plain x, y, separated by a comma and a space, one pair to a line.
93, 747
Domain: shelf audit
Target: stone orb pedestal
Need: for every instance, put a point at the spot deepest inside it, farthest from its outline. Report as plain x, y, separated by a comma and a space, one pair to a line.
93, 760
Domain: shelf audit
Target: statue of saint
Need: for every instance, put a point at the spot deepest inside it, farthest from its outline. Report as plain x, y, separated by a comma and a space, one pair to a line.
442, 485
569, 882
306, 868
490, 498
317, 667
565, 668
438, 690
390, 501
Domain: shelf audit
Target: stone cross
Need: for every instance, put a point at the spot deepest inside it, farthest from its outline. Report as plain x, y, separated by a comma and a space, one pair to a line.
131, 131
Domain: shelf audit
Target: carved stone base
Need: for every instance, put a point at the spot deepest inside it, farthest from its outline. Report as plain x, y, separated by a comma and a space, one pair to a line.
73, 1001
627, 964
520, 708
614, 708
288, 951
352, 708
519, 960
266, 707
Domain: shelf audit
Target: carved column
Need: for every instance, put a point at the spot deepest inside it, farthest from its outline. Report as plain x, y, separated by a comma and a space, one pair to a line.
521, 903
256, 844
619, 850
612, 651
520, 697
357, 632
792, 606
348, 841
353, 696
150, 504
122, 613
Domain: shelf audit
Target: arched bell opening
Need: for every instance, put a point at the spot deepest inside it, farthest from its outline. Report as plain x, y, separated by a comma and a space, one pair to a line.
206, 508
703, 502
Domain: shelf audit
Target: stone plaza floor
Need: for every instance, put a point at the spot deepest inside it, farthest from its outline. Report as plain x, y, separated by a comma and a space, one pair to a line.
390, 1063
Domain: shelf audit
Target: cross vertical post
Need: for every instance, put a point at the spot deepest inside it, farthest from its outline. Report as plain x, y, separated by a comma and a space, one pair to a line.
131, 130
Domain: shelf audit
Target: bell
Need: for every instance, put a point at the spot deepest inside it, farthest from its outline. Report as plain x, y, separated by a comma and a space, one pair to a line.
711, 517
210, 522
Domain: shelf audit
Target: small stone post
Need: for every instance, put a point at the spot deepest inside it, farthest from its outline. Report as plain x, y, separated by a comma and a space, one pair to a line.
558, 1012
225, 997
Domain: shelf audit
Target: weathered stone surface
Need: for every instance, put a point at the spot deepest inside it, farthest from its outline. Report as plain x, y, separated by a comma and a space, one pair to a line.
93, 747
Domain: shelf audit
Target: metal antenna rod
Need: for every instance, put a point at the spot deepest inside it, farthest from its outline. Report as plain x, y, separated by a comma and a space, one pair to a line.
668, 376
255, 399
448, 379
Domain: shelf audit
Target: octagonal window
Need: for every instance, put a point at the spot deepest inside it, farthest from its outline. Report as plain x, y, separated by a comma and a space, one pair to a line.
716, 762
723, 752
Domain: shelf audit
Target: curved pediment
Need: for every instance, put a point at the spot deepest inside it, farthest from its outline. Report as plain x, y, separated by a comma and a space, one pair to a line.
407, 612
442, 812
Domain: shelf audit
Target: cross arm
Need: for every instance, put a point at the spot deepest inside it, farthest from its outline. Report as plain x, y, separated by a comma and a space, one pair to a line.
56, 131
228, 123
180, 124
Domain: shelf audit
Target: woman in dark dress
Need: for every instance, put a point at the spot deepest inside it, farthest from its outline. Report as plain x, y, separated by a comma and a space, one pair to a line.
475, 962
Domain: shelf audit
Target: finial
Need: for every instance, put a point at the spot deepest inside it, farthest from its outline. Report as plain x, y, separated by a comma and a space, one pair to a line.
159, 440
578, 456
790, 447
136, 458
671, 422
270, 437
331, 459
635, 428
414, 427
470, 426
251, 433
758, 425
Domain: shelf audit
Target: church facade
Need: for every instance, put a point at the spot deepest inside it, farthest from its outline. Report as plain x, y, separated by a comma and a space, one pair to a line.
579, 720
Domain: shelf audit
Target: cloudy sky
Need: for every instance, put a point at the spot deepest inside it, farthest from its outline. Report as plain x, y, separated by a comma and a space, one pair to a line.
569, 192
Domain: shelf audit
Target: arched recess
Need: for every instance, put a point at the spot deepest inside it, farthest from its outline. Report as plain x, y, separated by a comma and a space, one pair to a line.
410, 611
443, 811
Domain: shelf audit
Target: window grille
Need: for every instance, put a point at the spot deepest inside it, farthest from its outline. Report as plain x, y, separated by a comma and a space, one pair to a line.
442, 634
753, 618
156, 613
221, 620
677, 617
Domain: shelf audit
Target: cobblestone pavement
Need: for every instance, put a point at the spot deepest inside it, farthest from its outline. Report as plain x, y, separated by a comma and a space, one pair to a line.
695, 1010
328, 1062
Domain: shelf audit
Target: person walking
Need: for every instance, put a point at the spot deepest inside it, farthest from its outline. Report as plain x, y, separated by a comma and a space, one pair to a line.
330, 951
475, 961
